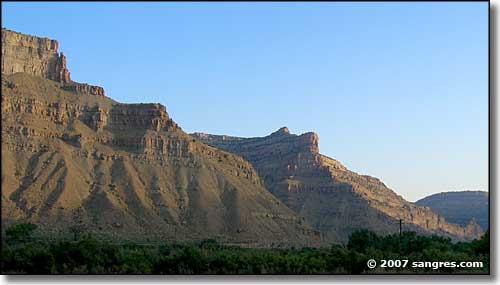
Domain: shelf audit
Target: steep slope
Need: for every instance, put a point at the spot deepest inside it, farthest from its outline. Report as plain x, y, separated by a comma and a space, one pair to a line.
333, 199
459, 207
74, 160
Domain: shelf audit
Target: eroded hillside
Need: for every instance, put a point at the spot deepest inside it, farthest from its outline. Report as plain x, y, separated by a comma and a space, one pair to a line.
72, 158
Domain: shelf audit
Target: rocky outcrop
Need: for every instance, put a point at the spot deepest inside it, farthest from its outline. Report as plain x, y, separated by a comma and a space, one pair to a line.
460, 207
474, 229
333, 199
40, 57
33, 55
82, 88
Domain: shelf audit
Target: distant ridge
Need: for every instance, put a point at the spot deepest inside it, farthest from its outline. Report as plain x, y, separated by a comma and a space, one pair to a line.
460, 207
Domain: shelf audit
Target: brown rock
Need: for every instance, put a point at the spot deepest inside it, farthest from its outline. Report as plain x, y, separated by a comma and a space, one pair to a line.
82, 88
33, 55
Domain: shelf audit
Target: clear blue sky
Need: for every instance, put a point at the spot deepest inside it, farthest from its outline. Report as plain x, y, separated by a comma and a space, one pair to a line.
395, 90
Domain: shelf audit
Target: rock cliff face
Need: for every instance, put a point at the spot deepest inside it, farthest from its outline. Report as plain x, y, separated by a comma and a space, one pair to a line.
33, 55
39, 57
333, 199
82, 88
125, 171
460, 207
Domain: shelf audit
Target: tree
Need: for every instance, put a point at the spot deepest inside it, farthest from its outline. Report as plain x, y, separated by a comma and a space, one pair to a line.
78, 226
361, 240
20, 232
482, 246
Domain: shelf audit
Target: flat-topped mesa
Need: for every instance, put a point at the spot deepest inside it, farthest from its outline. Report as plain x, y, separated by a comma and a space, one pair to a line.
40, 57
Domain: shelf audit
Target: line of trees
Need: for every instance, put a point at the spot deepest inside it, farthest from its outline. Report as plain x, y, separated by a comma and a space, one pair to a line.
23, 254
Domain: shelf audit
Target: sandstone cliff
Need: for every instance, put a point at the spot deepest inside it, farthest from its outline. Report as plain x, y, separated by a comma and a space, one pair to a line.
335, 200
123, 171
39, 57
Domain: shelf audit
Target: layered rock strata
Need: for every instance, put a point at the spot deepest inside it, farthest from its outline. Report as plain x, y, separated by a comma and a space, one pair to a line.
82, 88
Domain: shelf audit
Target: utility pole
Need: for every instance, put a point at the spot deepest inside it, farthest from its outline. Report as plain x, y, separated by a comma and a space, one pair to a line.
400, 233
400, 228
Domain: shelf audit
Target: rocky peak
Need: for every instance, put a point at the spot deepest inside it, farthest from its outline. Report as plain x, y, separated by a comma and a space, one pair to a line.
473, 229
281, 131
40, 57
306, 142
33, 55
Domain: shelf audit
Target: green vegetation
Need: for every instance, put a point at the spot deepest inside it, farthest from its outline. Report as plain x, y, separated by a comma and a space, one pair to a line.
23, 254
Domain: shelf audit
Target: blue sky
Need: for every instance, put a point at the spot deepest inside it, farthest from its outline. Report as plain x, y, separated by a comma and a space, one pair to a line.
394, 90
